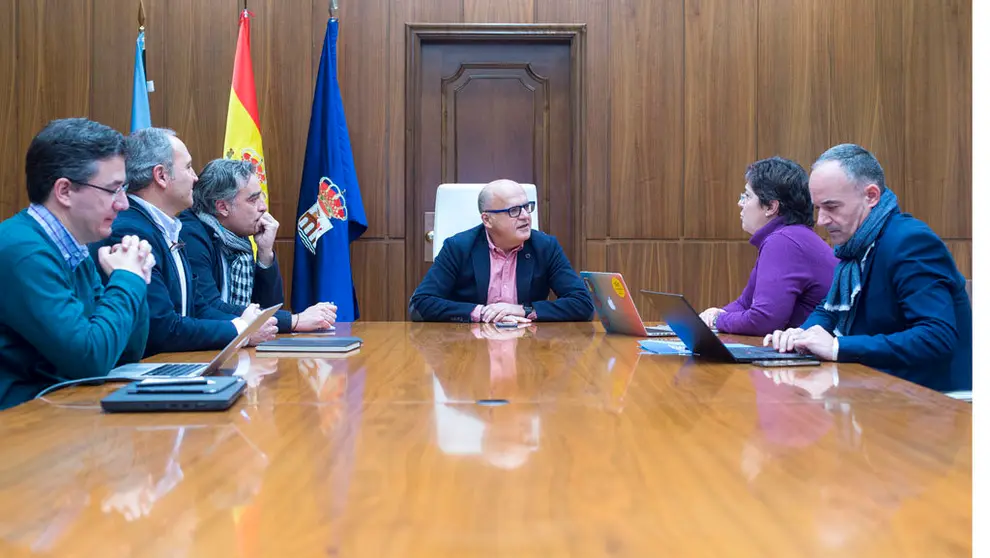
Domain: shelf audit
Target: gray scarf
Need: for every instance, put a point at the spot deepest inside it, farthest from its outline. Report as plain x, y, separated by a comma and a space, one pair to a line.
240, 259
847, 281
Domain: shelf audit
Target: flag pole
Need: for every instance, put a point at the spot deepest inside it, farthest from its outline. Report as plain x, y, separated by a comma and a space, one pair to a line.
333, 10
144, 53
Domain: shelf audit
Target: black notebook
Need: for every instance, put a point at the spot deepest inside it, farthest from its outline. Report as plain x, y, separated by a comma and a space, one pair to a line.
311, 344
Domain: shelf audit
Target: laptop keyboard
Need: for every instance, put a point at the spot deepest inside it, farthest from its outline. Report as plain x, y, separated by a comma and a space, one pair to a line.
660, 331
173, 370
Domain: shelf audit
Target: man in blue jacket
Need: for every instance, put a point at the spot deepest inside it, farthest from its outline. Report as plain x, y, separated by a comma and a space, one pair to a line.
501, 270
228, 209
897, 302
161, 177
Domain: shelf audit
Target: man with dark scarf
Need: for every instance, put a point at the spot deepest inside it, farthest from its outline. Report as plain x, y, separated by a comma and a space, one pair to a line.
897, 301
228, 209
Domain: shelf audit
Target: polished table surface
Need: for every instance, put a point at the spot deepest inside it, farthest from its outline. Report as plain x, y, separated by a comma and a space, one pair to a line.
404, 449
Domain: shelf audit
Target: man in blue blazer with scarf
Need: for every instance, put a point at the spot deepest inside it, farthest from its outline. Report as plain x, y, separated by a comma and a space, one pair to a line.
160, 180
501, 270
897, 302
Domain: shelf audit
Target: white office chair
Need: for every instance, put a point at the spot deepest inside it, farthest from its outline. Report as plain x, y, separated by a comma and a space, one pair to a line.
456, 210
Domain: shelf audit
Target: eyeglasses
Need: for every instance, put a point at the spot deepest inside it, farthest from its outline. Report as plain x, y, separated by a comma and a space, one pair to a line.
120, 190
515, 211
745, 197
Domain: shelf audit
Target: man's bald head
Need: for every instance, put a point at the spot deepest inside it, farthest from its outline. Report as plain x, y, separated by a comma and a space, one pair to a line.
495, 193
506, 229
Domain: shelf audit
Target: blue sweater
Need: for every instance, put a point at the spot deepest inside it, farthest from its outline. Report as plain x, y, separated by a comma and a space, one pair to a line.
56, 323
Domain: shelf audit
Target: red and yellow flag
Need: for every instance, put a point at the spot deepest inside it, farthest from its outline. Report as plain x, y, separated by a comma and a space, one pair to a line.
242, 140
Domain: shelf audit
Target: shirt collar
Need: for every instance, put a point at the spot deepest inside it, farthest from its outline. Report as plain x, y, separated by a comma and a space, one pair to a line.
73, 252
168, 225
498, 251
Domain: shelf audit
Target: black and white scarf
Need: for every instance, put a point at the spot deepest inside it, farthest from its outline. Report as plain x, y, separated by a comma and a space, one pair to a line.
239, 257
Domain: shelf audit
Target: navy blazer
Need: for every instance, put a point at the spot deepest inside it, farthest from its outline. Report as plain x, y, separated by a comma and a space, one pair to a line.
203, 249
203, 327
458, 281
913, 316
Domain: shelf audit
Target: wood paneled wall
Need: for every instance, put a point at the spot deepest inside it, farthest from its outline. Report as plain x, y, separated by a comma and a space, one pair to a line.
681, 96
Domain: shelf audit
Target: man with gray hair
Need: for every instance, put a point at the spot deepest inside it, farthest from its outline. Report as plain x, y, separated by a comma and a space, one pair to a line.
897, 302
228, 209
161, 178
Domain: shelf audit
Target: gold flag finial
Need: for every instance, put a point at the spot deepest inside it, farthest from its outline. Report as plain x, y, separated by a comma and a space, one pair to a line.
141, 15
333, 9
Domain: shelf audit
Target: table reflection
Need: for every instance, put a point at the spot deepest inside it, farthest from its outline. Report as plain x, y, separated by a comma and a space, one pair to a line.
843, 449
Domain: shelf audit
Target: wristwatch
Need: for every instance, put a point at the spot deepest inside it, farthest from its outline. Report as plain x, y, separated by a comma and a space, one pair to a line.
527, 310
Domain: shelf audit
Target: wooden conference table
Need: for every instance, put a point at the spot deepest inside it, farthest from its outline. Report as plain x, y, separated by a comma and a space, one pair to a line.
598, 451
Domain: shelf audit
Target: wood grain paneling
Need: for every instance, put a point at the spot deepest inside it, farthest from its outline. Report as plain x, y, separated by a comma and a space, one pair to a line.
938, 74
596, 256
647, 73
11, 175
503, 11
654, 266
369, 263
54, 46
402, 12
667, 86
792, 80
155, 38
363, 73
113, 61
867, 96
284, 252
962, 252
398, 301
720, 113
280, 44
715, 273
597, 144
199, 63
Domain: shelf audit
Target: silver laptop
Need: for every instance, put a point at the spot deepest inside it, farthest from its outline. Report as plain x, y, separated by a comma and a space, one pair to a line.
616, 308
191, 369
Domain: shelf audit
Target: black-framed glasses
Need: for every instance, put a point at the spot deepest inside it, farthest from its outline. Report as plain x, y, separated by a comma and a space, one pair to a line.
122, 189
515, 211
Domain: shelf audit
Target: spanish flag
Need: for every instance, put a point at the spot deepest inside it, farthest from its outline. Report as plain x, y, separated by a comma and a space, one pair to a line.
242, 140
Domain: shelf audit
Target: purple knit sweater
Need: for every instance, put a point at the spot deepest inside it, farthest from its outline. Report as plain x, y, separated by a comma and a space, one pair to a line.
793, 273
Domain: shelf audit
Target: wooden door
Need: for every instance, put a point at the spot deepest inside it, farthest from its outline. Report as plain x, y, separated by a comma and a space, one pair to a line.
483, 108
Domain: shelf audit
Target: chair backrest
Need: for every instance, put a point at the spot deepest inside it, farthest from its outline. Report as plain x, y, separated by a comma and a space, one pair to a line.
456, 210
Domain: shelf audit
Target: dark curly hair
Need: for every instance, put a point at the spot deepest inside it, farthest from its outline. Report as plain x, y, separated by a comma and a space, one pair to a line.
786, 182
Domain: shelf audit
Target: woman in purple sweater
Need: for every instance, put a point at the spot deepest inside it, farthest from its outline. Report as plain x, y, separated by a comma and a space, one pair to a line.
793, 270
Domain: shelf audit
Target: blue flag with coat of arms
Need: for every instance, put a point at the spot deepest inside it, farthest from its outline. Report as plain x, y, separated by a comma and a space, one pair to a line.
330, 214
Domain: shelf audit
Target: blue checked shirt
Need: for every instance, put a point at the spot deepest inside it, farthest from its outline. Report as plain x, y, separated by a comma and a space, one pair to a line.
73, 252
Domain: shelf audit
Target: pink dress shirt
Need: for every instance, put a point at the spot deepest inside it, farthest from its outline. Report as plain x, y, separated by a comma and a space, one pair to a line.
502, 281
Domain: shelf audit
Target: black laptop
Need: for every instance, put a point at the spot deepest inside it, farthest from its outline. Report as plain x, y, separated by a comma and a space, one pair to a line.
700, 340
